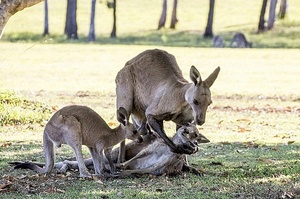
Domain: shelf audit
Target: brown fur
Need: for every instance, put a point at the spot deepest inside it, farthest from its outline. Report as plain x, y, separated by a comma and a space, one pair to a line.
157, 158
172, 164
79, 125
152, 89
240, 40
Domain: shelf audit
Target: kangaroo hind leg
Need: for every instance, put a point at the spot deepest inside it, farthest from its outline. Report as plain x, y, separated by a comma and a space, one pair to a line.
73, 137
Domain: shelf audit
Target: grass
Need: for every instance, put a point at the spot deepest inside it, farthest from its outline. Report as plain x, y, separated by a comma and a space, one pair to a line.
15, 111
253, 123
137, 22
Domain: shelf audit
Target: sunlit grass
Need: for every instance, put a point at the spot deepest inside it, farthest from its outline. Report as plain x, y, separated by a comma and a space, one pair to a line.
253, 123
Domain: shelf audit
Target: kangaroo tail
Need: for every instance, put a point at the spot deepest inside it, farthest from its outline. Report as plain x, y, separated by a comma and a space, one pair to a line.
49, 154
29, 165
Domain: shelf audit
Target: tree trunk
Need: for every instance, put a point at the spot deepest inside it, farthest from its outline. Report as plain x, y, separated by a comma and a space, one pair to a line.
46, 22
92, 36
113, 33
261, 23
174, 19
163, 16
272, 14
282, 9
9, 8
71, 23
208, 29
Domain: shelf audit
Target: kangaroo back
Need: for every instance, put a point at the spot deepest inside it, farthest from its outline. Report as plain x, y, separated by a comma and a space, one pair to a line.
143, 77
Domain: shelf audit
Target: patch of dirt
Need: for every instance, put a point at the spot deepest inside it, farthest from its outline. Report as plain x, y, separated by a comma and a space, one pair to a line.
253, 109
37, 183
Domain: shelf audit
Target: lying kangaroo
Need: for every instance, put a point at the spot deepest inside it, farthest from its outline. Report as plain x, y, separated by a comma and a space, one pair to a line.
218, 41
240, 40
152, 89
79, 125
157, 158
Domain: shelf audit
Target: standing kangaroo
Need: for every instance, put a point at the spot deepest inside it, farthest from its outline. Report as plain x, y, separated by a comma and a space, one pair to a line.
240, 40
79, 125
152, 89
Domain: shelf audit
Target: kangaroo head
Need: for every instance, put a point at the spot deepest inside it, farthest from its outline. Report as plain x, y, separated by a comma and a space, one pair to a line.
183, 138
193, 133
130, 130
198, 94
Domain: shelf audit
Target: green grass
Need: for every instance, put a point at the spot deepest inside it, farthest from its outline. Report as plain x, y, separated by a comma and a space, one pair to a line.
137, 22
16, 111
253, 123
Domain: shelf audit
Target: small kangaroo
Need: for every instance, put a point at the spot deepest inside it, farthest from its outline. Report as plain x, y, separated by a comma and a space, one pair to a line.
218, 42
158, 158
79, 125
240, 40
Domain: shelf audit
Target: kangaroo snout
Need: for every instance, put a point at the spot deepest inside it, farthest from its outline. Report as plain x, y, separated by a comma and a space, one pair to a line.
199, 121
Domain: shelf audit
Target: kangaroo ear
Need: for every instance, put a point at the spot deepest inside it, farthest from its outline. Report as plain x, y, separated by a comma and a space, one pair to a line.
211, 79
122, 116
195, 76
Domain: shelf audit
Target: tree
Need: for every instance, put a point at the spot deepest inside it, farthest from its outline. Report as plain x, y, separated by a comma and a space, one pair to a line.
272, 14
46, 22
9, 8
71, 22
261, 23
208, 30
163, 16
282, 9
113, 33
92, 36
174, 19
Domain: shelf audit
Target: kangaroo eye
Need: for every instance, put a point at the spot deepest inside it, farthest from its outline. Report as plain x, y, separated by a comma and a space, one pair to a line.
195, 102
134, 132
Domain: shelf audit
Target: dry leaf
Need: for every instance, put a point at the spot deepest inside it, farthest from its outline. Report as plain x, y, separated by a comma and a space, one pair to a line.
250, 144
266, 160
275, 148
54, 108
3, 186
243, 120
291, 142
286, 136
60, 191
276, 136
112, 124
216, 163
225, 143
243, 130
6, 144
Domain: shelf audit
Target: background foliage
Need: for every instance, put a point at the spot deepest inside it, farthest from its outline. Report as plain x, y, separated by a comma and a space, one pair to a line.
137, 22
